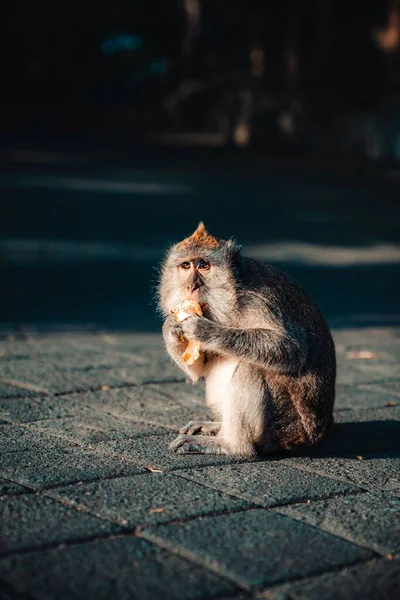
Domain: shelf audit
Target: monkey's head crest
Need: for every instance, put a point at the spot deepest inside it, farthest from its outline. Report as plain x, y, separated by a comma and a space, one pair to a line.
200, 237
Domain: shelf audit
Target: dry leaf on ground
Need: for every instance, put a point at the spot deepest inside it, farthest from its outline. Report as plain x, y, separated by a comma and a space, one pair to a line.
361, 354
152, 469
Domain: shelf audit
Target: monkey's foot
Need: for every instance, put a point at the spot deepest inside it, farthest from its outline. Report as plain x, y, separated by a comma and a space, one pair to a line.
201, 428
190, 444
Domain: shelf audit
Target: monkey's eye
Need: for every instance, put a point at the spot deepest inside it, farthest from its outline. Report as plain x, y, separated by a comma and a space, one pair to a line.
204, 265
185, 265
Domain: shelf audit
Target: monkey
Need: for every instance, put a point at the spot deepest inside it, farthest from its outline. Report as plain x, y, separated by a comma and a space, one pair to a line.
268, 357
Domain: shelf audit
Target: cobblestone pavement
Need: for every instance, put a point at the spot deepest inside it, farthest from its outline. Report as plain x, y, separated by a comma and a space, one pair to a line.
94, 505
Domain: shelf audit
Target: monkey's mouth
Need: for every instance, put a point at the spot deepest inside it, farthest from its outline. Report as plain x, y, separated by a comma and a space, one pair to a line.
195, 295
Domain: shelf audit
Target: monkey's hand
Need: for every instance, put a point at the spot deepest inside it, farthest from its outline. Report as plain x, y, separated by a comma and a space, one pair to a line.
198, 329
176, 344
174, 327
173, 334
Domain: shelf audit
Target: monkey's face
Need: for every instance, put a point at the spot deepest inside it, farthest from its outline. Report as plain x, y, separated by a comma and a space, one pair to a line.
189, 278
200, 268
204, 276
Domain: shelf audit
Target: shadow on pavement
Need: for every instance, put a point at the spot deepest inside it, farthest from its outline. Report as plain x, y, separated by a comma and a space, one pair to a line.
353, 440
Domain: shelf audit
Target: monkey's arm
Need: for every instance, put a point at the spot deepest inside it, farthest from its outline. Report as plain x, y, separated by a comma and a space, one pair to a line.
277, 349
175, 347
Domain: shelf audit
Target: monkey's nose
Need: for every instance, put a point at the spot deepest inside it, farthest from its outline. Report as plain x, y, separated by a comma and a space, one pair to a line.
193, 286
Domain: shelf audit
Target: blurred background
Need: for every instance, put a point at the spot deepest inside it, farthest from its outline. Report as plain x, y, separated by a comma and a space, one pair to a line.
125, 122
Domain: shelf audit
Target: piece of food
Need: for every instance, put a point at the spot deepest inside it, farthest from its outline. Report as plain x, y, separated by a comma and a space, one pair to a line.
182, 311
186, 309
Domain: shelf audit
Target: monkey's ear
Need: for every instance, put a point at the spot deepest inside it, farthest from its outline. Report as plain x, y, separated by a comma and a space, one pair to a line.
233, 248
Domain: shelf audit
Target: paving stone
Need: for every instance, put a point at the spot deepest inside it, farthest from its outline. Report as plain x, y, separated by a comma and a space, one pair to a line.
384, 354
11, 391
385, 371
257, 548
61, 377
97, 428
155, 451
377, 579
350, 374
9, 488
65, 373
361, 370
375, 473
30, 521
73, 356
52, 341
68, 417
370, 414
268, 482
16, 438
35, 459
122, 568
26, 410
351, 397
170, 404
365, 338
391, 387
132, 499
370, 520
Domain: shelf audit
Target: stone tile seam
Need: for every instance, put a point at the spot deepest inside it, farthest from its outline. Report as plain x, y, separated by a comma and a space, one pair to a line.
259, 502
84, 390
325, 474
182, 552
68, 353
255, 506
125, 530
75, 506
192, 558
31, 387
348, 539
46, 488
52, 494
66, 543
31, 426
95, 411
358, 407
239, 460
88, 446
264, 592
377, 548
117, 387
381, 389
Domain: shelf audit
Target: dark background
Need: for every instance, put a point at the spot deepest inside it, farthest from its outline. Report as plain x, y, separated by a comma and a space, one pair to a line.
125, 122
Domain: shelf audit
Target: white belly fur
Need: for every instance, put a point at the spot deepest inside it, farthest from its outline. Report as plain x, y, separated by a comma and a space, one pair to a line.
218, 375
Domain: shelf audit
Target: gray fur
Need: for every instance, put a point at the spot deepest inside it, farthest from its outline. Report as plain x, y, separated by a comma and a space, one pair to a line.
269, 359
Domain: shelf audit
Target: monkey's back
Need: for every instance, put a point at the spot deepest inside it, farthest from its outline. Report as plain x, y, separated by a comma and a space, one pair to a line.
299, 402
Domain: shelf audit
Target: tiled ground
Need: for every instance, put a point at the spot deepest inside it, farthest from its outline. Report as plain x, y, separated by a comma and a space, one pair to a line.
94, 505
